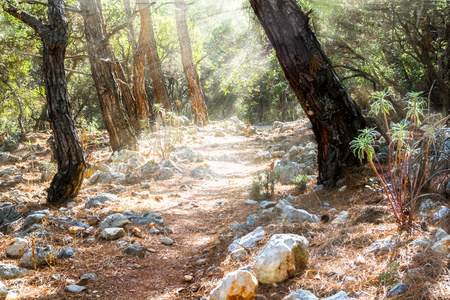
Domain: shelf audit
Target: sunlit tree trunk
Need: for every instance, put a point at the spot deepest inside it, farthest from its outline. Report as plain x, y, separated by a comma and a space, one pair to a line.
139, 90
195, 89
151, 51
335, 117
116, 100
69, 153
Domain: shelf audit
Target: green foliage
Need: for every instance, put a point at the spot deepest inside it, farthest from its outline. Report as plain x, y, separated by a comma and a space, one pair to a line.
263, 187
391, 276
300, 182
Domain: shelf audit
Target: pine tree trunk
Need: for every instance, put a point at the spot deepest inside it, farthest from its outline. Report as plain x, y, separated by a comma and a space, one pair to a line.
190, 71
55, 38
335, 117
116, 100
151, 51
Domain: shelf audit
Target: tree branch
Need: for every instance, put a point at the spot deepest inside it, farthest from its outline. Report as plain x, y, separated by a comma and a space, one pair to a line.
126, 24
209, 53
67, 6
77, 72
25, 17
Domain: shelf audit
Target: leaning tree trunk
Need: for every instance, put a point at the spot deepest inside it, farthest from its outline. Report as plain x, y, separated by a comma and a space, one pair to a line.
190, 71
71, 165
116, 99
335, 117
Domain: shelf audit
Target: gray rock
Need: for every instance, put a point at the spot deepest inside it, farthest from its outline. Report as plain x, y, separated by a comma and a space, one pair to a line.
301, 295
132, 178
441, 234
420, 242
100, 199
239, 254
229, 158
248, 241
167, 163
441, 213
282, 257
136, 250
342, 217
113, 233
165, 173
236, 226
8, 158
99, 177
185, 154
11, 144
124, 155
202, 173
263, 156
150, 168
382, 246
250, 221
294, 215
267, 204
42, 257
32, 219
167, 241
427, 205
10, 271
146, 219
16, 248
441, 247
66, 253
73, 288
89, 276
318, 188
288, 172
398, 290
294, 153
236, 285
251, 202
114, 220
3, 291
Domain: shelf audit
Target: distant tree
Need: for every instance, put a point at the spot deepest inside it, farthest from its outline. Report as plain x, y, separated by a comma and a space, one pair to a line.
195, 89
335, 117
69, 153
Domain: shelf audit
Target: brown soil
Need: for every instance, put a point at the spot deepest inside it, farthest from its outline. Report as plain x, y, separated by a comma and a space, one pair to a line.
200, 219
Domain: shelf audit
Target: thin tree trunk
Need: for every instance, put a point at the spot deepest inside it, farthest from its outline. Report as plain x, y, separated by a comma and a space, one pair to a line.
55, 38
151, 51
116, 100
335, 117
195, 89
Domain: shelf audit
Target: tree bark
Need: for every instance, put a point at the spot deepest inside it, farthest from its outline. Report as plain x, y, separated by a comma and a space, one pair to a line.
151, 52
335, 117
55, 38
195, 89
116, 100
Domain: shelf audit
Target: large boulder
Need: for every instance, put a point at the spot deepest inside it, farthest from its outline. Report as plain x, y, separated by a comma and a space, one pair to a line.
42, 257
282, 257
248, 241
239, 284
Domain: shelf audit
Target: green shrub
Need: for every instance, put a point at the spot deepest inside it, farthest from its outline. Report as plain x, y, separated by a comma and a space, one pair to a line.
300, 182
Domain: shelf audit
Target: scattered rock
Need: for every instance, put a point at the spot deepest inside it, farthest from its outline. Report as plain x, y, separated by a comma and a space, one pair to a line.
73, 288
250, 221
293, 215
32, 219
165, 173
146, 219
251, 202
420, 242
114, 221
42, 257
8, 158
11, 272
113, 233
16, 248
282, 257
239, 253
89, 276
382, 246
167, 241
66, 253
150, 168
93, 220
441, 213
248, 241
441, 234
263, 156
267, 204
428, 204
100, 199
239, 284
202, 173
398, 290
301, 295
136, 250
342, 217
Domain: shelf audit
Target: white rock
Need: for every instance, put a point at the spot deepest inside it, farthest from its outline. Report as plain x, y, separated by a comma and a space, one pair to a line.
440, 247
113, 233
248, 241
441, 234
16, 248
239, 284
282, 257
3, 291
114, 220
342, 217
420, 242
441, 213
294, 215
301, 295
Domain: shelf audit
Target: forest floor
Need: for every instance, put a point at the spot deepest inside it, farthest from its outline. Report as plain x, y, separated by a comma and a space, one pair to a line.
200, 215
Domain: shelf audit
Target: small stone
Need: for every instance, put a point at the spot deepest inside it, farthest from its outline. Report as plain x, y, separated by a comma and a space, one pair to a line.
239, 253
318, 188
398, 290
360, 260
73, 288
441, 213
343, 189
66, 253
16, 248
113, 233
251, 202
114, 221
136, 250
235, 226
100, 199
58, 276
251, 221
32, 219
75, 229
427, 205
167, 241
188, 278
89, 276
267, 204
154, 230
441, 234
342, 217
93, 220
